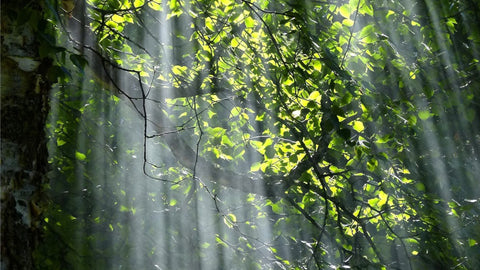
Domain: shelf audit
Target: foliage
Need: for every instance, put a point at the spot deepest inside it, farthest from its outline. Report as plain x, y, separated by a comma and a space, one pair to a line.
267, 135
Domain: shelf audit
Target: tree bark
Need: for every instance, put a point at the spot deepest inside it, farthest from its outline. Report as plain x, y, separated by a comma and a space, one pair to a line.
24, 109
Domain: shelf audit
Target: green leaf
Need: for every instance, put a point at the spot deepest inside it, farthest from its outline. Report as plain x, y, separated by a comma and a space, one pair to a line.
227, 141
138, 3
256, 144
118, 19
209, 24
383, 198
112, 24
80, 156
230, 220
358, 126
367, 34
276, 208
60, 142
235, 111
235, 42
345, 11
255, 167
226, 2
372, 164
249, 22
373, 202
472, 242
154, 5
317, 65
420, 186
216, 132
315, 95
179, 70
424, 115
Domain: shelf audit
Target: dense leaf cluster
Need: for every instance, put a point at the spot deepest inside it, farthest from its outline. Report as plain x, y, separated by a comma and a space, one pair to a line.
265, 135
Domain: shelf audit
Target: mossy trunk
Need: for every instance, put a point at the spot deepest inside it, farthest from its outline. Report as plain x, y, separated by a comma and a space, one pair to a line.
24, 109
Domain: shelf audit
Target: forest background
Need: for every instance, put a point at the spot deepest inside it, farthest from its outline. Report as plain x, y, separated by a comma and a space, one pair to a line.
237, 134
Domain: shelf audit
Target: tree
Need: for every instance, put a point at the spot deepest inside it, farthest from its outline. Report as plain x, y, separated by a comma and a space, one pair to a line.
24, 109
318, 134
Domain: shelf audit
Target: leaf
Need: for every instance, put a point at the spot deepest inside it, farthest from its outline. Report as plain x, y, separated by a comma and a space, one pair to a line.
255, 167
367, 34
112, 24
60, 142
420, 186
276, 208
230, 220
373, 202
348, 22
226, 2
179, 70
235, 111
424, 115
227, 141
209, 24
249, 22
345, 11
80, 156
372, 164
412, 120
235, 42
216, 132
314, 95
366, 9
256, 144
383, 198
317, 65
358, 126
113, 4
155, 6
367, 31
118, 19
138, 3
221, 242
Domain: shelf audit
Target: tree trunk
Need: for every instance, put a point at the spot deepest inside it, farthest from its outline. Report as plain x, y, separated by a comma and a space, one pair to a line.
24, 109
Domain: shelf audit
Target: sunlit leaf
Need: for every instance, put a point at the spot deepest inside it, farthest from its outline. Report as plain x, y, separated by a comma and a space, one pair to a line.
472, 242
80, 156
118, 19
345, 11
155, 5
60, 142
235, 42
249, 22
424, 115
138, 3
230, 220
358, 126
179, 70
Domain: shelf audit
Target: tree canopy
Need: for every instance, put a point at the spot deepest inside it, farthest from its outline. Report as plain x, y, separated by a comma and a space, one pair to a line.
256, 134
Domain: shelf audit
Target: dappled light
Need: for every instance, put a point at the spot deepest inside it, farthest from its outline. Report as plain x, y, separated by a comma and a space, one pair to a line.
238, 134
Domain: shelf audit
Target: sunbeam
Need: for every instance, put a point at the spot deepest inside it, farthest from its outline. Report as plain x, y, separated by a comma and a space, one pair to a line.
240, 134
